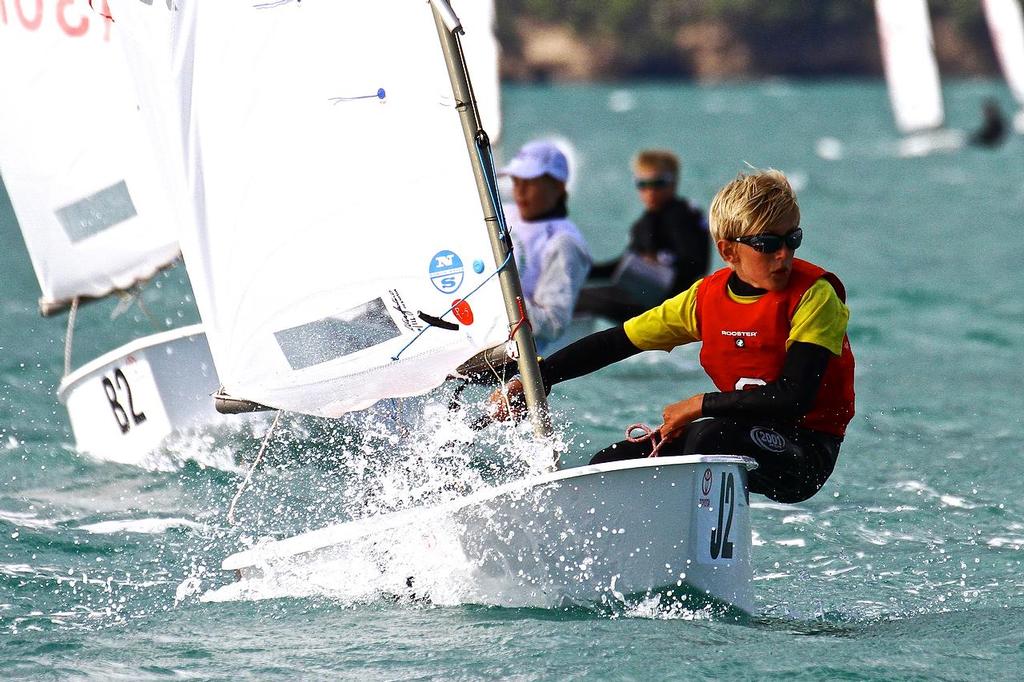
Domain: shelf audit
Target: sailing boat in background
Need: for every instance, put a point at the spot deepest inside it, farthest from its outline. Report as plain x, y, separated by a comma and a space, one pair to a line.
1006, 26
912, 75
344, 248
94, 217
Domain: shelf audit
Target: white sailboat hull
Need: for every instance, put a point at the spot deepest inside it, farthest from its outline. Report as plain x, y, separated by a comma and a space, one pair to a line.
125, 403
582, 535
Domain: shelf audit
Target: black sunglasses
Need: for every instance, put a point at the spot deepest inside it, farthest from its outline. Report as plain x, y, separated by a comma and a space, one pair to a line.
652, 183
770, 243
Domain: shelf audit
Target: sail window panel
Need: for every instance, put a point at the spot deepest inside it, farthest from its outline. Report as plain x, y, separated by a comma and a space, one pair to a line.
329, 338
97, 212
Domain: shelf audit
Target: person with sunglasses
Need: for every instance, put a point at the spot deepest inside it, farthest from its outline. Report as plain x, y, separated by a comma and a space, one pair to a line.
669, 246
773, 335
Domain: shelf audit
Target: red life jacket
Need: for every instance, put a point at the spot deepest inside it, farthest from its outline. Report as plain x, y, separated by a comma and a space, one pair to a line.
744, 344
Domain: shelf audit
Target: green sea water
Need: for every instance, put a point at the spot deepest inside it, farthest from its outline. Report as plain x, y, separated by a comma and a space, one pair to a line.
906, 566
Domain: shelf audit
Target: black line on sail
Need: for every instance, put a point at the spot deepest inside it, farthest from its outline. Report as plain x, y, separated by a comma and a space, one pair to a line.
437, 321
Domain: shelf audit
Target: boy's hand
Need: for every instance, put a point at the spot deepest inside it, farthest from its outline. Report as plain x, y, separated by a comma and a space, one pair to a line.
678, 415
508, 396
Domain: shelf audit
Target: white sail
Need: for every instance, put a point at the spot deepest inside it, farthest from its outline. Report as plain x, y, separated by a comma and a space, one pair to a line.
1006, 26
73, 155
482, 56
904, 30
330, 190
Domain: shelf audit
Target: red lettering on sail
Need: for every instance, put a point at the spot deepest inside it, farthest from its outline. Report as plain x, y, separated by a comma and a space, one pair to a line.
35, 23
62, 20
72, 16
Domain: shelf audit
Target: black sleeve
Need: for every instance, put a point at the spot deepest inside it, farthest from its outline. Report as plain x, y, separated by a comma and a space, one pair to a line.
587, 355
603, 270
692, 246
643, 235
789, 398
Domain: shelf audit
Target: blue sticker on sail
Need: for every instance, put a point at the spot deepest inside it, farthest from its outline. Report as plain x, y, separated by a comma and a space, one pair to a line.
446, 271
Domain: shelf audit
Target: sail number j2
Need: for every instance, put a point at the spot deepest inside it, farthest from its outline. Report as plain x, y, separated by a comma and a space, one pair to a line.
721, 546
118, 389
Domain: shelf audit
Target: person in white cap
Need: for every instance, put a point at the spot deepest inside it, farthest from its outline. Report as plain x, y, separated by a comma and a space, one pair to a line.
551, 254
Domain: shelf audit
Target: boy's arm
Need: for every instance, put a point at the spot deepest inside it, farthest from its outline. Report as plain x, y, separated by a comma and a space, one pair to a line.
587, 355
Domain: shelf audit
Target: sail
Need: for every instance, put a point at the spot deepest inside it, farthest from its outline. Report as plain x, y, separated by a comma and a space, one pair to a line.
905, 34
482, 56
1006, 26
334, 212
73, 155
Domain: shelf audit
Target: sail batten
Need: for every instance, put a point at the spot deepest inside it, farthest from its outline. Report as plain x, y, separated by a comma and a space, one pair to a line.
325, 174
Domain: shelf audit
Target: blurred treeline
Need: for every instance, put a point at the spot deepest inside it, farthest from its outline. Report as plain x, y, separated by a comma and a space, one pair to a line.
719, 39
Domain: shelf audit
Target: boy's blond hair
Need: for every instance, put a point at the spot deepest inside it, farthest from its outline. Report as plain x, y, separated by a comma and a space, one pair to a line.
661, 161
752, 203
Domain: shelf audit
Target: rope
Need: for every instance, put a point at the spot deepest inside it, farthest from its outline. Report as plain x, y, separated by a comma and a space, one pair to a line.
487, 163
252, 468
523, 319
145, 311
69, 335
647, 433
416, 338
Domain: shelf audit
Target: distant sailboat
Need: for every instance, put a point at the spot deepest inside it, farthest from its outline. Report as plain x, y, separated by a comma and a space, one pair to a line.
912, 75
1006, 26
344, 248
91, 207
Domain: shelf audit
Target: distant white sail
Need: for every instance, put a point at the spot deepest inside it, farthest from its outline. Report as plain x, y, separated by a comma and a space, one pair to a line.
908, 56
482, 55
1006, 26
331, 193
73, 154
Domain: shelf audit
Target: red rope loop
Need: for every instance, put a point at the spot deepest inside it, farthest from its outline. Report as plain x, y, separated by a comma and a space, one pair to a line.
646, 433
523, 319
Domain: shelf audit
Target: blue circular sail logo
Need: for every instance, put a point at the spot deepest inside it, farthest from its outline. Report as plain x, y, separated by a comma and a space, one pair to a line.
446, 271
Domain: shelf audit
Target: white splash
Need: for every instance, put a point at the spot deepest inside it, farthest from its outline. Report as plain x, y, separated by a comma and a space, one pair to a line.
27, 520
151, 526
830, 149
794, 542
621, 101
188, 587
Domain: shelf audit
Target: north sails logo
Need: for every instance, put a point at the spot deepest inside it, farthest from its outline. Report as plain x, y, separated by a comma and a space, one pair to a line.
766, 439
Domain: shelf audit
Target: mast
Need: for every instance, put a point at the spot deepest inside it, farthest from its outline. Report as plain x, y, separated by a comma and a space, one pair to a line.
479, 147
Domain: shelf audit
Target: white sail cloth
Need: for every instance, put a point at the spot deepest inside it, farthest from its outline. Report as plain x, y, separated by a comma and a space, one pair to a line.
912, 74
1006, 26
323, 166
482, 55
73, 154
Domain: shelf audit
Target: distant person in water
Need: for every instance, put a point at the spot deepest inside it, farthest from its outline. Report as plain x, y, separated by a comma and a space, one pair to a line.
992, 132
773, 335
669, 246
551, 254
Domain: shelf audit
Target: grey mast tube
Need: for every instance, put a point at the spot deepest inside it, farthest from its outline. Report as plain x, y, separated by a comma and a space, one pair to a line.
448, 28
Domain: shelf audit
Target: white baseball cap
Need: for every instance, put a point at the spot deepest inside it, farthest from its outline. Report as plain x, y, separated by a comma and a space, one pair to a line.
538, 158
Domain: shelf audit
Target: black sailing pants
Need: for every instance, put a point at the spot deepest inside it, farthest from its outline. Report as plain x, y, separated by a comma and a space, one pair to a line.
793, 463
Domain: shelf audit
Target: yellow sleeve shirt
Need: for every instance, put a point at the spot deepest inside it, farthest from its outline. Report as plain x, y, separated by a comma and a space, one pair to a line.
820, 318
